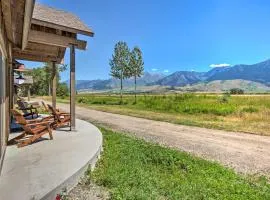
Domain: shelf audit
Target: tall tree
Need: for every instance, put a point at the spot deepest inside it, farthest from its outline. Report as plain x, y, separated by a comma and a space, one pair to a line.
42, 80
119, 64
136, 66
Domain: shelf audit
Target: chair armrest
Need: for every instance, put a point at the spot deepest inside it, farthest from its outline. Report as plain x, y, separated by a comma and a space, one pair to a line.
66, 114
24, 108
62, 113
48, 117
38, 123
34, 120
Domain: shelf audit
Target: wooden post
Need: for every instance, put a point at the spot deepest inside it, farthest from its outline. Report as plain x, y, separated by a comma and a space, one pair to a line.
72, 87
54, 83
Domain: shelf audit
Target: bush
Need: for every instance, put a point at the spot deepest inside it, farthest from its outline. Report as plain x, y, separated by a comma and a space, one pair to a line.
236, 91
224, 98
250, 109
62, 90
82, 100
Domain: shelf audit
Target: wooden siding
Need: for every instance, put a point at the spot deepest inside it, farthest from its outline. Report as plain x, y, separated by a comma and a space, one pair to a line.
4, 94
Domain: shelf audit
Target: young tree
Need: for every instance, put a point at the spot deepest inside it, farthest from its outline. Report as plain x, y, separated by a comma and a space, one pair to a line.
136, 66
119, 63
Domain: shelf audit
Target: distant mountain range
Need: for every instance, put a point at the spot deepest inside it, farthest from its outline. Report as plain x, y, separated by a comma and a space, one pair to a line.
257, 73
181, 78
112, 83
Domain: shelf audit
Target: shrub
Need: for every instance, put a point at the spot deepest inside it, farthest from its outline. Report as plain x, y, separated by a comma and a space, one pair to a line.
250, 109
236, 91
62, 90
82, 100
224, 98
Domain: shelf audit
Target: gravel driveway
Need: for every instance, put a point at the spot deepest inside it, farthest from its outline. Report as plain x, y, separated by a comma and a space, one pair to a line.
245, 153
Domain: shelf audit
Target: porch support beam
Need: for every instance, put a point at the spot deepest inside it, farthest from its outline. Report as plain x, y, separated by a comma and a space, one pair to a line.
35, 57
29, 7
72, 87
54, 83
55, 40
6, 9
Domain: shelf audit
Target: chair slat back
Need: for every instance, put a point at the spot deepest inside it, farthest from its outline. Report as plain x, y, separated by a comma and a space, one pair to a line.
54, 113
45, 106
19, 117
21, 120
22, 106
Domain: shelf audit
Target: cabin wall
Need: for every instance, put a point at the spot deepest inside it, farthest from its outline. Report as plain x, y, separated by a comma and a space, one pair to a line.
4, 90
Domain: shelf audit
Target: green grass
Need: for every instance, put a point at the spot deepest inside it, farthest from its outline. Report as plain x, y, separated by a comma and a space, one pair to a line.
178, 103
183, 103
134, 169
250, 113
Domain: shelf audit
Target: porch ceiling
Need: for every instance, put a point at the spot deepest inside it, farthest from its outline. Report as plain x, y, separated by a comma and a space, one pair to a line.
40, 52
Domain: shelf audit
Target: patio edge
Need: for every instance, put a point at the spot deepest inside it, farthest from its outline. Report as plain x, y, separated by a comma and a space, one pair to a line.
73, 180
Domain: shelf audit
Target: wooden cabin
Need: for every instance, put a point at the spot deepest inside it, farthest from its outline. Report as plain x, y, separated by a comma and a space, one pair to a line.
35, 32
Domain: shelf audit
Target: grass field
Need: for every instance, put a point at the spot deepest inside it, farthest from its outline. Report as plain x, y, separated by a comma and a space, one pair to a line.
131, 168
248, 113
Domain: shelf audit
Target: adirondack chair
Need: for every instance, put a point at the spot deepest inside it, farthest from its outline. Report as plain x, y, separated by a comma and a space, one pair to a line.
61, 118
33, 130
27, 109
45, 106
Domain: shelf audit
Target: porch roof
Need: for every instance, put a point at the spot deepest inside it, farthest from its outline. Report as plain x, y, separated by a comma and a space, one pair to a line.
41, 33
53, 16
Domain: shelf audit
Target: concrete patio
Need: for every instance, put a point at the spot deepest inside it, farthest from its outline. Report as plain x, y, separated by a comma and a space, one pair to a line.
44, 169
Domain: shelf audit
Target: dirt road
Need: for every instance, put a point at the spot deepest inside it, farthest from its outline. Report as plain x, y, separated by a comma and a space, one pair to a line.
244, 152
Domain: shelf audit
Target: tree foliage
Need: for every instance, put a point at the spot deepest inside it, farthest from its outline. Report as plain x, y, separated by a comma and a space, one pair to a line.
42, 78
236, 91
136, 66
125, 64
119, 63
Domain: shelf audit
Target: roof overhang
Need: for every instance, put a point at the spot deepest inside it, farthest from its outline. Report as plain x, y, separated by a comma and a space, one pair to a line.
65, 28
38, 40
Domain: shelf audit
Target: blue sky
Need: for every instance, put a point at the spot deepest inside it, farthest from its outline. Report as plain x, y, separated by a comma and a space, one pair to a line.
173, 34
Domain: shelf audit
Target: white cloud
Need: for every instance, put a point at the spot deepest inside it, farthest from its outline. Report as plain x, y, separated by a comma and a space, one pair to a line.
154, 69
166, 71
220, 65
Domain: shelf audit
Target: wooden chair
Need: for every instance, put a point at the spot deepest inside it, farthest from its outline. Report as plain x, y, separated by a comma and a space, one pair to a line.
28, 110
61, 118
46, 109
33, 130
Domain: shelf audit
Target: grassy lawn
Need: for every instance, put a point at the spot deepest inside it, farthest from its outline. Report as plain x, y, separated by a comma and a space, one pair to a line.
249, 113
134, 169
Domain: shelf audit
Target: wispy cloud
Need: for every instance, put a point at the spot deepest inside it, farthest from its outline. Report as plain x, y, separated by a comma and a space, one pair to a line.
154, 69
220, 65
166, 71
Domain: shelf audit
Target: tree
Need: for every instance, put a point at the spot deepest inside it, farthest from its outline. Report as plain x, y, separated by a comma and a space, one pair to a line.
42, 77
236, 91
119, 64
136, 66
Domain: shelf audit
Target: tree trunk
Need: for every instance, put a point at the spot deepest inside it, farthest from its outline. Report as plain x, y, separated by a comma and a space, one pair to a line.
135, 89
49, 91
121, 90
